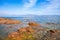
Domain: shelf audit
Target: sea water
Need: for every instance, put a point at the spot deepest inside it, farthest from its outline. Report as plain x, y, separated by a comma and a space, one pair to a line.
42, 20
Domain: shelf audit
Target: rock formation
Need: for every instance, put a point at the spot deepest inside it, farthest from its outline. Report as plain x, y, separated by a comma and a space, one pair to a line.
9, 21
33, 24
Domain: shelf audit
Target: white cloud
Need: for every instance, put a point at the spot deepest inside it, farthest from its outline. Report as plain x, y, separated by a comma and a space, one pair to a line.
29, 4
51, 9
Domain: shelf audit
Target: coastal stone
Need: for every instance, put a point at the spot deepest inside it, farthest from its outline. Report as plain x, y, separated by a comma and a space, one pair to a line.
12, 22
9, 21
33, 24
27, 29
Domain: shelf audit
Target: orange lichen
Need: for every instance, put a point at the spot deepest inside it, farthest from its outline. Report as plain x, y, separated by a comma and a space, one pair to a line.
22, 33
14, 34
29, 30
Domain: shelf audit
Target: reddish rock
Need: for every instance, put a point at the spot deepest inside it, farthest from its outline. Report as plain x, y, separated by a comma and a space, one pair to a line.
9, 21
12, 22
33, 24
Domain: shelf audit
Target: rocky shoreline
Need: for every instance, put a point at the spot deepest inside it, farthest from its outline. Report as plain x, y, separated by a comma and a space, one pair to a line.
34, 31
9, 21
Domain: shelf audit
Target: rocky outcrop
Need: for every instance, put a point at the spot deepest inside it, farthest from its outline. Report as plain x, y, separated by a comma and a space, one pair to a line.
22, 33
28, 33
12, 22
8, 21
33, 24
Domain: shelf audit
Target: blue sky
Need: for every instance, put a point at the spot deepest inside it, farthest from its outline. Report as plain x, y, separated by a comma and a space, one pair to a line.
25, 7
